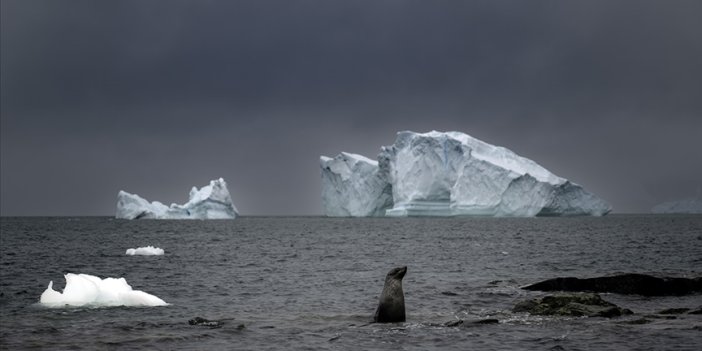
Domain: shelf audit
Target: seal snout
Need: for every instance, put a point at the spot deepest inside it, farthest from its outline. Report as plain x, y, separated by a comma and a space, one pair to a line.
402, 271
397, 273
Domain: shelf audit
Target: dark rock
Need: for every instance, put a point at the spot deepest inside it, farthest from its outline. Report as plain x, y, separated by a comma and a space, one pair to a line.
448, 293
612, 312
674, 311
657, 316
461, 322
576, 305
638, 321
628, 284
205, 322
453, 323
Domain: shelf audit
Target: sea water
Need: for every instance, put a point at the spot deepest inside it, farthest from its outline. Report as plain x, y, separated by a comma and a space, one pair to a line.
281, 283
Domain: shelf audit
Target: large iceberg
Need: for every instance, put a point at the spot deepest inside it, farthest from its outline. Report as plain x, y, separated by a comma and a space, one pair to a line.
353, 187
449, 174
89, 290
691, 206
210, 202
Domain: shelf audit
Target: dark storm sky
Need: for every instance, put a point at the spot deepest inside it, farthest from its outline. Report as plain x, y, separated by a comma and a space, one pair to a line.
153, 97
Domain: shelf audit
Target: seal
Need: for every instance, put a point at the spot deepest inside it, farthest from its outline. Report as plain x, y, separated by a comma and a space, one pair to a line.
391, 308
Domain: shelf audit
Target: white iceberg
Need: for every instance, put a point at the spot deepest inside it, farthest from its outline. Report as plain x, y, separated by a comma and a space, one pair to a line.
145, 251
453, 174
89, 290
687, 206
210, 202
353, 187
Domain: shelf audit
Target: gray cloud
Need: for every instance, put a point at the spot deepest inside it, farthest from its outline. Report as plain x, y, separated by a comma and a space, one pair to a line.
154, 97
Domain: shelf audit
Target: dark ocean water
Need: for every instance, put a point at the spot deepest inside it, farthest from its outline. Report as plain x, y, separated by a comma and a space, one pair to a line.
281, 283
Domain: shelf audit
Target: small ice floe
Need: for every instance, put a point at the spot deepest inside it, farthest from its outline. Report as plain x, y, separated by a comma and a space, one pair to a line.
145, 251
89, 290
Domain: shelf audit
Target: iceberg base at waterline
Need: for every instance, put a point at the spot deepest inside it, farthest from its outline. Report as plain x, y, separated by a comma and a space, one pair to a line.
89, 290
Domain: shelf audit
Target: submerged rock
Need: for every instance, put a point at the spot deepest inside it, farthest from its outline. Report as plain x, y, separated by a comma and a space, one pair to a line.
205, 322
627, 284
460, 322
453, 323
674, 311
637, 321
487, 321
575, 305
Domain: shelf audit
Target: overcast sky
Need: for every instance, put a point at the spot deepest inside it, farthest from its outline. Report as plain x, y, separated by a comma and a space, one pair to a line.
153, 97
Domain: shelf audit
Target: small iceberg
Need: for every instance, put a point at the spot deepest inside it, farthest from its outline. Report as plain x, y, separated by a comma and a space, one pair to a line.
89, 290
209, 202
145, 251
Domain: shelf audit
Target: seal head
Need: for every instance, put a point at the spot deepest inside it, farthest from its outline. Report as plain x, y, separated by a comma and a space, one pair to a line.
391, 307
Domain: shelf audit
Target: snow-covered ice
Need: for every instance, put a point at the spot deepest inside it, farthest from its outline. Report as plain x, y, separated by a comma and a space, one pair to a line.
89, 290
210, 202
352, 186
145, 251
680, 206
450, 174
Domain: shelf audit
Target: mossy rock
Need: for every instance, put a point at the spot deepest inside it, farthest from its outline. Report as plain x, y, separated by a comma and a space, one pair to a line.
574, 305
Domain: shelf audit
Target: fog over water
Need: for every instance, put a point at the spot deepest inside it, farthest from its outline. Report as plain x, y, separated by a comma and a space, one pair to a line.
156, 97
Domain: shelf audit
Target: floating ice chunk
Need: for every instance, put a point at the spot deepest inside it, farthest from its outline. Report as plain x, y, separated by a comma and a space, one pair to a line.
89, 290
145, 251
210, 202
